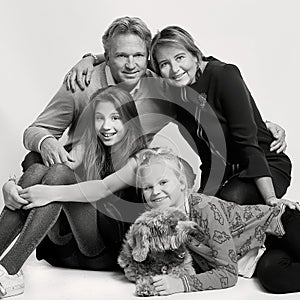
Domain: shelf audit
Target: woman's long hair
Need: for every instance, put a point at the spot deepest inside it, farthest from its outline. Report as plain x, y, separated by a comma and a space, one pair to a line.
100, 160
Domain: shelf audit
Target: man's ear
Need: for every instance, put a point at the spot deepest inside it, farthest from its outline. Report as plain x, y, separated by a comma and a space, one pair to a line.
106, 57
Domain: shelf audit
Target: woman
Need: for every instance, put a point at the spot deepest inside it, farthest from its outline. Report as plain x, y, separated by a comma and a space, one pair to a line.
79, 235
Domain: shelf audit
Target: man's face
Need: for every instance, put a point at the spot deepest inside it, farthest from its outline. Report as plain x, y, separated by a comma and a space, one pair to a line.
127, 59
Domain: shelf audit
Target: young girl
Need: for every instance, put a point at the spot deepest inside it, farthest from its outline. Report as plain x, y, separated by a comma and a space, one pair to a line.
80, 235
231, 237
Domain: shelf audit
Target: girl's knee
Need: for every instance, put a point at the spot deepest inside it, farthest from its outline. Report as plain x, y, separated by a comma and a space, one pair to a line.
59, 174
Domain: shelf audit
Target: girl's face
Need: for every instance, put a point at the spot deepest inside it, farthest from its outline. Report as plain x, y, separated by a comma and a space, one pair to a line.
161, 187
109, 125
177, 64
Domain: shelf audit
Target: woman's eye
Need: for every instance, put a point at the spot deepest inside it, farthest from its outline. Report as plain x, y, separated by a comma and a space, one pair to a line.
162, 65
179, 58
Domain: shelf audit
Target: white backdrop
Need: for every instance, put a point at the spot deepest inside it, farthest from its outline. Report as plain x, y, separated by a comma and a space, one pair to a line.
41, 40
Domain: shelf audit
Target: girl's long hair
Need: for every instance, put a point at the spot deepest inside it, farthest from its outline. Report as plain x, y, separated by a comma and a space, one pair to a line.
100, 160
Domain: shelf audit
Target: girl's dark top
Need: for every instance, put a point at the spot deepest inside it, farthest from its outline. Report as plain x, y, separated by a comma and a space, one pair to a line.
240, 141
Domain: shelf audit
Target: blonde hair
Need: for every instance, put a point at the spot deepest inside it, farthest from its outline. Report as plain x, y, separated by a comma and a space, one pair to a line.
166, 156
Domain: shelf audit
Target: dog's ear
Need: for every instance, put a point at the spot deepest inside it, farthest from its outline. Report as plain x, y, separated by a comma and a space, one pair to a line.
140, 235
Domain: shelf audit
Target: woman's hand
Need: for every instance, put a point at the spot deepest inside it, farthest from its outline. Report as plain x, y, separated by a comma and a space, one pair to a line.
80, 74
11, 196
291, 204
166, 285
38, 195
279, 144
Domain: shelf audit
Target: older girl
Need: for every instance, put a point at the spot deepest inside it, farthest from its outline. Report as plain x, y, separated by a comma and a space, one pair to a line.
76, 235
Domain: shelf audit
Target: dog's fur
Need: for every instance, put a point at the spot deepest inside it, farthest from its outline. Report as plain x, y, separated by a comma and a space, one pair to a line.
155, 244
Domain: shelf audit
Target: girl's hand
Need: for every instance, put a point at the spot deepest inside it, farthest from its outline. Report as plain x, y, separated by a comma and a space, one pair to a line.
38, 195
130, 275
12, 200
166, 285
291, 204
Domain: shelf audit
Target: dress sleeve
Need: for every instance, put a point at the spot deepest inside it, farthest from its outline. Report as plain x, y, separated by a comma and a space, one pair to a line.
237, 109
53, 121
223, 272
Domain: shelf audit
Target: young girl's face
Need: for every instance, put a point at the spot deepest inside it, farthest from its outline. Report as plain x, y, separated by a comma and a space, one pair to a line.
109, 125
161, 187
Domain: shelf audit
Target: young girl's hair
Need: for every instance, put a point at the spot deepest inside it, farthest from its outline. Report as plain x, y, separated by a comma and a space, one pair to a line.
167, 157
99, 160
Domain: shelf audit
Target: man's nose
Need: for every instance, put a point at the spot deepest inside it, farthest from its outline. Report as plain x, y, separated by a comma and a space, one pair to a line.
130, 64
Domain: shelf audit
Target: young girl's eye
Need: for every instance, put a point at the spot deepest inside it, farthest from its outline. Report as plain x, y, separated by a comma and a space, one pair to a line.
146, 188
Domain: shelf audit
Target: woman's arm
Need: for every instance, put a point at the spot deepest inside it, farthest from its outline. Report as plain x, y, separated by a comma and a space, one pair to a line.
88, 191
81, 73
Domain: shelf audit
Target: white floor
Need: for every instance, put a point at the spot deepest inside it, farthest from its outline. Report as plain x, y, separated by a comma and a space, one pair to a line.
43, 281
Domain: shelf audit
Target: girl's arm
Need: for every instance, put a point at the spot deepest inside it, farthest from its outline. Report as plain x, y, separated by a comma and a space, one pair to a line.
223, 272
88, 191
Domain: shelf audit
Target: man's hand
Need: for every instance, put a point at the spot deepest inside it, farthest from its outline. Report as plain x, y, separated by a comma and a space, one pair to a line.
279, 144
166, 285
12, 200
80, 74
53, 152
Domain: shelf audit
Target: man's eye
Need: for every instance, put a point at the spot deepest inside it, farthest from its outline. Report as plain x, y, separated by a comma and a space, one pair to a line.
163, 182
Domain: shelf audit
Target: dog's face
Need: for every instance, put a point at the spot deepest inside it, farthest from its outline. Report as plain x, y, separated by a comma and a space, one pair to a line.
159, 233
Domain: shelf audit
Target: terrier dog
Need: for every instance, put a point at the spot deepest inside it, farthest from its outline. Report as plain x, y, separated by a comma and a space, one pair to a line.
155, 244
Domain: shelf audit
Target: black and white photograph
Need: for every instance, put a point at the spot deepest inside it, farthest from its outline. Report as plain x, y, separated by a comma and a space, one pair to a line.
150, 149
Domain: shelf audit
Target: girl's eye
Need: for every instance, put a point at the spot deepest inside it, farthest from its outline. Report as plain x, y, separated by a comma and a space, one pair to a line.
98, 118
163, 182
162, 65
146, 188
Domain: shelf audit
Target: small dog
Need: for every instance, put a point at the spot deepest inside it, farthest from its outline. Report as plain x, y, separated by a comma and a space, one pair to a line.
155, 244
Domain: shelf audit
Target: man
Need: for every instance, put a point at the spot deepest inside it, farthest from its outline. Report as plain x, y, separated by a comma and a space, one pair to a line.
126, 43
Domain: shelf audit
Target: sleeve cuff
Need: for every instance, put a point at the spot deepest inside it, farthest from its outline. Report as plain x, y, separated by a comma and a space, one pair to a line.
186, 284
42, 139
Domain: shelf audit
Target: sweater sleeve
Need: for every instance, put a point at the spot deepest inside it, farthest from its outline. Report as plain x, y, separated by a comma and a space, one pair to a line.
53, 121
236, 105
223, 272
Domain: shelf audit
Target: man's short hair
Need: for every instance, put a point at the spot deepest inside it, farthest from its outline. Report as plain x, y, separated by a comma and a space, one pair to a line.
126, 25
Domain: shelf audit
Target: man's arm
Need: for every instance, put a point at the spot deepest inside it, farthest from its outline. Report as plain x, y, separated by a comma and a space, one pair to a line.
43, 134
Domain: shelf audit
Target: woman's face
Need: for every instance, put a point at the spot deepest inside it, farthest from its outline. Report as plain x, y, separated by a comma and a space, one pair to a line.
109, 125
176, 63
161, 187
